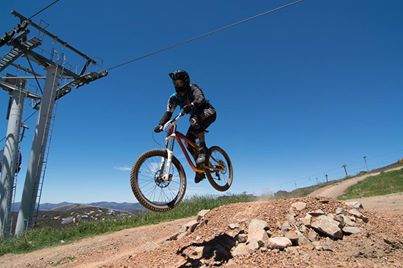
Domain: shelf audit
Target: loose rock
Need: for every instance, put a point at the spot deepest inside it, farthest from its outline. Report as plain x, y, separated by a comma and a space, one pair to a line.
257, 236
240, 250
316, 213
347, 221
328, 245
290, 218
307, 220
191, 226
279, 243
201, 214
351, 230
312, 235
233, 226
354, 204
293, 236
256, 224
285, 227
339, 211
242, 238
302, 240
358, 214
327, 226
299, 205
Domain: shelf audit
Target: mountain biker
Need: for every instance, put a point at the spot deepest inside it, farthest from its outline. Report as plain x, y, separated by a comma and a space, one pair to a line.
190, 98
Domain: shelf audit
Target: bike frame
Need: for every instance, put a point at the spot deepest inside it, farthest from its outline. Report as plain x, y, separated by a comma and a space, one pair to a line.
172, 135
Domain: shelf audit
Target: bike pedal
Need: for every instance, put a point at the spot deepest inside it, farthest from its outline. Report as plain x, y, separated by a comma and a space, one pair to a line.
199, 177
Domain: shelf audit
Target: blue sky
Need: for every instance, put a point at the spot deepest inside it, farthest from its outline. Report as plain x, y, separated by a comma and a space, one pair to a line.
298, 93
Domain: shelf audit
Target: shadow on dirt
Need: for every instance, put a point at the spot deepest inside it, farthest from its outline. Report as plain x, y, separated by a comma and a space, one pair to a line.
216, 251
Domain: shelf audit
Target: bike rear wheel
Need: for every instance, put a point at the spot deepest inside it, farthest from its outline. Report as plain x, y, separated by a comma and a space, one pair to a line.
151, 187
219, 170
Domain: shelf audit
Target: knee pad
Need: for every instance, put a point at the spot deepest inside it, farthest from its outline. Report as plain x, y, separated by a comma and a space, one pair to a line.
194, 122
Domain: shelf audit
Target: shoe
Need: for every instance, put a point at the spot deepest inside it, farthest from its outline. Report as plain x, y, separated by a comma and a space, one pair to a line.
199, 177
201, 156
201, 160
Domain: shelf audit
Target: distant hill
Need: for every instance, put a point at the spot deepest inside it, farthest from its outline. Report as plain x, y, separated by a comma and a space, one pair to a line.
127, 207
66, 206
65, 213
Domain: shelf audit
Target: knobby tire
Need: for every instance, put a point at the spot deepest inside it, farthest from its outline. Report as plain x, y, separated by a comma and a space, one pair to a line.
136, 188
228, 164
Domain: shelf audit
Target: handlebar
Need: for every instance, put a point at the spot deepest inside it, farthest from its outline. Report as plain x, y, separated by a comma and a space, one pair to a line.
177, 117
169, 123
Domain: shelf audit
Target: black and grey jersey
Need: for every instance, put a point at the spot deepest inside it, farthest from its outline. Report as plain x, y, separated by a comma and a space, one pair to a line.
194, 96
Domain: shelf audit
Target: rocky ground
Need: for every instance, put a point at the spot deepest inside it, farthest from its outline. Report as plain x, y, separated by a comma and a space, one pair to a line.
309, 232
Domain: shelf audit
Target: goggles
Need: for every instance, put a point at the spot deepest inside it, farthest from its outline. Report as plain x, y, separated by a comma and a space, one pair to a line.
179, 83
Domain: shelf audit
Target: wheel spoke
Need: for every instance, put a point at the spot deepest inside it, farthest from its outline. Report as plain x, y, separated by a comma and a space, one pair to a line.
154, 189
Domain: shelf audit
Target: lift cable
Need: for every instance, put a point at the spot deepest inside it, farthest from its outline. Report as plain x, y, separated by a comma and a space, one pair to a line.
220, 29
43, 9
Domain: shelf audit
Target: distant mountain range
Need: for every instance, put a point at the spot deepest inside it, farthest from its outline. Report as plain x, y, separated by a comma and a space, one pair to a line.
64, 206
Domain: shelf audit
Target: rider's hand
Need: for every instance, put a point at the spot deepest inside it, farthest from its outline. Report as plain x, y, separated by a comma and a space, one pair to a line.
158, 128
187, 108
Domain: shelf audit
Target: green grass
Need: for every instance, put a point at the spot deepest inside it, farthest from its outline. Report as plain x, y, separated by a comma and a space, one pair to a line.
384, 183
46, 237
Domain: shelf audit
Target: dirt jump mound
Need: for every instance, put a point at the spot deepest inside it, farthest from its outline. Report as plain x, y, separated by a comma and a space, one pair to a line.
305, 232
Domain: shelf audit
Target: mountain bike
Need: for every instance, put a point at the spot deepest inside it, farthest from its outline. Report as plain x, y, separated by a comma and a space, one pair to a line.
158, 179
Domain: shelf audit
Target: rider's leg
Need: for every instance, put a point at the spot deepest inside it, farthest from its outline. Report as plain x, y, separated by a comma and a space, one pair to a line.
197, 129
202, 150
192, 134
192, 137
198, 123
201, 137
205, 118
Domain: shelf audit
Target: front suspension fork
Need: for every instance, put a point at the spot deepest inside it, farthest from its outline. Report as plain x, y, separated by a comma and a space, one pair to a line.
169, 147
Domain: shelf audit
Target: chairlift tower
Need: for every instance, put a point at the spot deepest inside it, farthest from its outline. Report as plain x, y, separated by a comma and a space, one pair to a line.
22, 46
10, 152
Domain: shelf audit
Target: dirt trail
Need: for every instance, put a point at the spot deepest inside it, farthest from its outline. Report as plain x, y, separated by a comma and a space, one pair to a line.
391, 204
386, 205
95, 251
335, 190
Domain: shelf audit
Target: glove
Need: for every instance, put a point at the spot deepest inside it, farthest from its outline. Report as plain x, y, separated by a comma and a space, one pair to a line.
158, 128
187, 108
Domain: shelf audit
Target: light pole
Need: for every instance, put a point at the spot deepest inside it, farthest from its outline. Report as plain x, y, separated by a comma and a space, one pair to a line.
365, 160
345, 169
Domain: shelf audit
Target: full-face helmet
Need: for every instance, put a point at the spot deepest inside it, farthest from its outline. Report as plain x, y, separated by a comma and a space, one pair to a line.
181, 81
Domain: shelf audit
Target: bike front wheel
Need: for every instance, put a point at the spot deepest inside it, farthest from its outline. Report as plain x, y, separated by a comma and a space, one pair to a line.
152, 187
219, 170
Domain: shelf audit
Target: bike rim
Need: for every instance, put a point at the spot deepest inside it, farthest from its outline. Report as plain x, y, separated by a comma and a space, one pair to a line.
219, 168
153, 188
